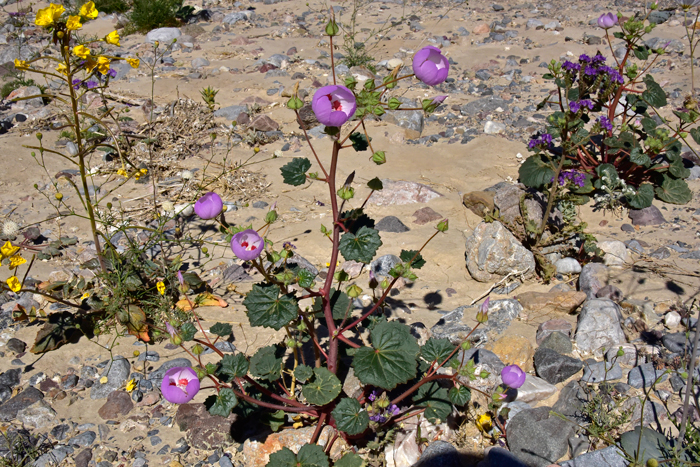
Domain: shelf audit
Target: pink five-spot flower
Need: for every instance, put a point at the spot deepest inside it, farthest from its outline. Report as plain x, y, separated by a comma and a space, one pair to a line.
513, 376
209, 206
180, 385
334, 105
247, 245
607, 20
430, 65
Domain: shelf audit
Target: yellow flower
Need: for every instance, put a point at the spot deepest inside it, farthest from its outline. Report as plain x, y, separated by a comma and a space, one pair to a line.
88, 10
112, 38
134, 62
122, 172
16, 260
21, 64
131, 385
484, 423
14, 284
104, 380
84, 296
47, 16
62, 69
81, 51
144, 171
161, 287
73, 23
103, 65
8, 250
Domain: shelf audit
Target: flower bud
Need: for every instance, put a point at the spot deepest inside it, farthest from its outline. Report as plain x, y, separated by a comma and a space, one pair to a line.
39, 136
291, 343
482, 317
484, 374
60, 34
443, 225
176, 339
332, 28
384, 284
466, 345
346, 193
295, 103
205, 250
652, 463
271, 217
59, 196
198, 349
354, 291
620, 352
379, 157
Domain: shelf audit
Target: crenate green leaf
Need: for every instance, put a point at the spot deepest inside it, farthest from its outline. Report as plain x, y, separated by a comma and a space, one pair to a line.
349, 416
435, 400
340, 304
350, 459
294, 172
375, 184
436, 350
221, 404
267, 306
187, 331
303, 373
654, 94
221, 329
640, 158
643, 198
305, 278
310, 455
407, 255
674, 191
695, 133
677, 169
459, 396
535, 172
233, 366
265, 364
361, 246
323, 389
649, 125
392, 358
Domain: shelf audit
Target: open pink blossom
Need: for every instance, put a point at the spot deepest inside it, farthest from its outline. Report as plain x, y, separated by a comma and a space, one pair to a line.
334, 105
247, 245
430, 65
513, 376
209, 206
180, 385
607, 20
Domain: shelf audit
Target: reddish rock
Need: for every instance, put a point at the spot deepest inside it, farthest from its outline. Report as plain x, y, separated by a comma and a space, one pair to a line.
257, 451
647, 216
149, 399
549, 302
482, 29
204, 431
425, 215
118, 403
264, 123
267, 67
255, 100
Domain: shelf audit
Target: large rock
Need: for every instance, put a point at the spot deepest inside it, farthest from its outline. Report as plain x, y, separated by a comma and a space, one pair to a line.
612, 456
538, 438
451, 326
535, 389
493, 252
405, 451
117, 372
37, 415
410, 120
554, 367
599, 327
163, 35
479, 202
21, 401
647, 216
616, 254
551, 302
118, 403
236, 16
204, 431
514, 350
594, 276
501, 313
440, 454
256, 451
23, 93
396, 193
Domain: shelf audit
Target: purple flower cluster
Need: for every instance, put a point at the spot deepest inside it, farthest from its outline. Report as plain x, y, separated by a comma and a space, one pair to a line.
386, 415
90, 84
605, 123
545, 139
578, 178
593, 67
575, 106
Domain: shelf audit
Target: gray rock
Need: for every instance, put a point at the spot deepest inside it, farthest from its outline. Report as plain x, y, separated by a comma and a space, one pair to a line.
117, 372
10, 54
483, 357
156, 377
578, 445
554, 367
483, 74
499, 457
493, 252
557, 341
610, 292
612, 456
451, 326
83, 439
571, 401
410, 120
615, 253
301, 262
401, 192
15, 345
501, 313
236, 16
635, 246
535, 389
628, 357
381, 266
567, 266
231, 112
485, 105
601, 371
391, 224
645, 375
11, 377
661, 253
163, 35
550, 326
599, 326
53, 458
647, 216
21, 401
149, 355
37, 415
538, 438
533, 23
594, 276
677, 342
658, 17
439, 454
199, 62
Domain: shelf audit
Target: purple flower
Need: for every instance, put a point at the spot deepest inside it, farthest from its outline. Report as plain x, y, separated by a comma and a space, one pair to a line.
485, 305
547, 138
77, 83
438, 100
590, 70
171, 329
392, 410
605, 123
112, 73
377, 418
587, 103
598, 59
578, 178
574, 106
607, 20
247, 245
430, 65
180, 385
372, 396
180, 279
513, 376
571, 66
334, 105
91, 84
583, 58
209, 206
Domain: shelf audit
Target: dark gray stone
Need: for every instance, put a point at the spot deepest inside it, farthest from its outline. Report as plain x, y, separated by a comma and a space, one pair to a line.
439, 454
647, 216
594, 276
451, 326
554, 367
60, 431
482, 357
611, 456
149, 356
410, 120
499, 457
485, 105
15, 345
661, 253
381, 266
391, 224
645, 375
157, 376
601, 371
24, 399
117, 371
83, 439
538, 438
572, 399
610, 292
53, 458
11, 377
557, 341
677, 342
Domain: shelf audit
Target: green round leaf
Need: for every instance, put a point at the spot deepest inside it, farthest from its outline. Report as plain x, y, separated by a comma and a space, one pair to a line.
360, 247
303, 373
460, 395
187, 331
350, 459
340, 304
265, 364
267, 308
294, 172
535, 172
310, 455
674, 191
233, 366
406, 256
392, 358
349, 417
221, 404
323, 389
436, 350
435, 400
654, 94
643, 198
221, 329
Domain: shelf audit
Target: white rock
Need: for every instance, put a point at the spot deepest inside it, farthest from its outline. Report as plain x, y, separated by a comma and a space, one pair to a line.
535, 389
615, 253
405, 452
494, 128
672, 319
163, 35
567, 266
37, 415
393, 63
